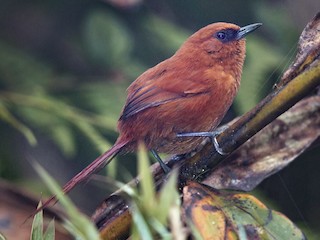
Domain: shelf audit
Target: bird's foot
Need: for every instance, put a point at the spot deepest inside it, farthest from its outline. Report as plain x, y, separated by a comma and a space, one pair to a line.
212, 135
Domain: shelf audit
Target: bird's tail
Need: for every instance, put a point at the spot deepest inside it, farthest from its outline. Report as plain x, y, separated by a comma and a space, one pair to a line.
84, 175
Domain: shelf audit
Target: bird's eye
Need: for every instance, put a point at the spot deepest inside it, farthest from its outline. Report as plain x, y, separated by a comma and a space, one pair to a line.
221, 35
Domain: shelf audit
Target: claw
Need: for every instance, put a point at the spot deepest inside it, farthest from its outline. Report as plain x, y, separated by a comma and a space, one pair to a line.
217, 147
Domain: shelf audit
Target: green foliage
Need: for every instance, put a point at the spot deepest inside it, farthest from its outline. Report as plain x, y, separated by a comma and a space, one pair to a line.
54, 117
23, 72
151, 212
6, 115
107, 39
77, 223
37, 228
2, 237
284, 31
164, 37
254, 84
49, 233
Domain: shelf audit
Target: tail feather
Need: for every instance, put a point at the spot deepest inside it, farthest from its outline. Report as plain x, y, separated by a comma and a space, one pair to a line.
95, 166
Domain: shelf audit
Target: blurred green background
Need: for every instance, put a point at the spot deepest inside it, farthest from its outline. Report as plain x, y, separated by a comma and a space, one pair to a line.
65, 65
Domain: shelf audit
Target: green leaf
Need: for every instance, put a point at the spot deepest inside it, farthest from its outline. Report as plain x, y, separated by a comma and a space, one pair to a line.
141, 228
168, 197
151, 210
50, 232
2, 237
6, 116
37, 116
147, 184
161, 229
37, 226
63, 136
82, 225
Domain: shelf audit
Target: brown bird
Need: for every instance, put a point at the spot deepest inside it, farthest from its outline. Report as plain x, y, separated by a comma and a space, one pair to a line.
184, 96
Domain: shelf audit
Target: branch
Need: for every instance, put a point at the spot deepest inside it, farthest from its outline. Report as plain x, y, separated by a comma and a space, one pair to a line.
290, 134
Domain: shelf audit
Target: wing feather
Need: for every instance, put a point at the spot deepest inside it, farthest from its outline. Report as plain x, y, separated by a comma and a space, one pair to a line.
156, 88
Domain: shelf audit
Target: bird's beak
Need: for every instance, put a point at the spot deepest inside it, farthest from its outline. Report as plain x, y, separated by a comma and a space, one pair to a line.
244, 31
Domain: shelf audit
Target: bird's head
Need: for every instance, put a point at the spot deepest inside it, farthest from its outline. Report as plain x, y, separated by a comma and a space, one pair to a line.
220, 36
218, 44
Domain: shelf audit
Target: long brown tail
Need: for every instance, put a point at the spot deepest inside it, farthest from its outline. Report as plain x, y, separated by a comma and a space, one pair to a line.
93, 167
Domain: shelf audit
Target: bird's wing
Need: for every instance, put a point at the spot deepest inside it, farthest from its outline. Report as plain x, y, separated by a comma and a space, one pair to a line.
154, 93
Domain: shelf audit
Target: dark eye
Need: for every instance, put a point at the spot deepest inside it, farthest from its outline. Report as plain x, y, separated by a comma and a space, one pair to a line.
226, 35
221, 35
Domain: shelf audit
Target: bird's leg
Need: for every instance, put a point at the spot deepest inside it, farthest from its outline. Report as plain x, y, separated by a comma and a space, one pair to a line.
212, 135
164, 167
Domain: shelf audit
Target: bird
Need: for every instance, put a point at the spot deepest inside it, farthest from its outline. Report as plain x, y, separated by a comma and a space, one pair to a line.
173, 105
